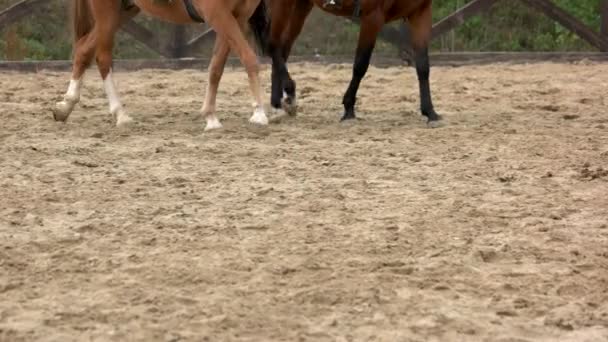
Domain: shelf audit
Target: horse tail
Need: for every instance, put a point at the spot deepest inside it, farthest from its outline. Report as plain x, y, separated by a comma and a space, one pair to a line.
260, 26
82, 18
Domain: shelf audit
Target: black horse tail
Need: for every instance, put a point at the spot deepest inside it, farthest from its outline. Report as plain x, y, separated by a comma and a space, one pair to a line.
260, 26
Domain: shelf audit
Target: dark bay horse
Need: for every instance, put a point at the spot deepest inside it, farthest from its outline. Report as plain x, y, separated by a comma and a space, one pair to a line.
287, 20
96, 22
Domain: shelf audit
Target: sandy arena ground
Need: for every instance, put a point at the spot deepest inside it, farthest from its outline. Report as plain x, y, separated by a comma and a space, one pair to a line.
493, 228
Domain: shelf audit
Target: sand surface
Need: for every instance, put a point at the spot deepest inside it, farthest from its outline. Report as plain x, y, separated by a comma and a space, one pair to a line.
492, 228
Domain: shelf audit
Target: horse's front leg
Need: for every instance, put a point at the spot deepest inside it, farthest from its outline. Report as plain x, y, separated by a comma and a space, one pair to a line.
371, 25
84, 52
426, 103
420, 27
296, 23
216, 70
281, 11
230, 29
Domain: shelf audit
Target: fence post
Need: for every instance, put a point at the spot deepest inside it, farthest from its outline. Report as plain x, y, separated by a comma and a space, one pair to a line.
178, 41
604, 24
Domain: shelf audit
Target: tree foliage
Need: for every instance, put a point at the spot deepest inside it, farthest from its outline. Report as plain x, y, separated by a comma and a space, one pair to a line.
509, 26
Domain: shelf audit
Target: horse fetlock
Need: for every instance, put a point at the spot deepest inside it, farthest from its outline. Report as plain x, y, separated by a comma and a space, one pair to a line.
349, 114
289, 104
123, 121
434, 124
433, 120
121, 117
208, 111
430, 114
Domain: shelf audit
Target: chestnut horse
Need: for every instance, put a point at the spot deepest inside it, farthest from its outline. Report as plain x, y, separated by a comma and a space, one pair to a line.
96, 22
287, 20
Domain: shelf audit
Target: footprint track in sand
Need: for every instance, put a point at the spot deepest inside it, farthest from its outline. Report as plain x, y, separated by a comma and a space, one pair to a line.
492, 228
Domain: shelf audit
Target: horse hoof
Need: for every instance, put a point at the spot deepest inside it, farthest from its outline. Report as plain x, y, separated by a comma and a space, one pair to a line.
434, 120
124, 121
62, 111
259, 117
348, 117
213, 124
278, 115
289, 105
259, 121
59, 116
435, 124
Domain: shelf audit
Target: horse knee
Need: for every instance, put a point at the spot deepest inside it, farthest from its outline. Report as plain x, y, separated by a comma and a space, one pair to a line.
252, 66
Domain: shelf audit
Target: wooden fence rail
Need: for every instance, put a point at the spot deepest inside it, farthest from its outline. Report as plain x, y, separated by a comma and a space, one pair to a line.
19, 10
399, 37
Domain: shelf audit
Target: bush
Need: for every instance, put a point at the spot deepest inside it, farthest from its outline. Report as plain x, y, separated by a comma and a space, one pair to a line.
509, 26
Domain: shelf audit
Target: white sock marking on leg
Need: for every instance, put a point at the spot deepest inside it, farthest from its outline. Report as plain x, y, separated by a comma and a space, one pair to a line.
73, 93
259, 116
115, 104
64, 108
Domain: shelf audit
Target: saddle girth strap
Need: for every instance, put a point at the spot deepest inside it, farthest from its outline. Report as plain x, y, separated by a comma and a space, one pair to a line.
192, 12
357, 10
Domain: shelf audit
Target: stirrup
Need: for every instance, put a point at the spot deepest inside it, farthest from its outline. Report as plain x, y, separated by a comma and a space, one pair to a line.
333, 4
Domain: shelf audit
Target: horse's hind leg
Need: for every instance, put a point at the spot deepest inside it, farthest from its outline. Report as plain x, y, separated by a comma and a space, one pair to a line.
216, 70
84, 51
370, 27
420, 25
106, 26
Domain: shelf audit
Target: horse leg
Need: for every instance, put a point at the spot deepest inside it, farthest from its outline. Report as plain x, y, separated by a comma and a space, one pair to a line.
420, 27
298, 18
281, 11
84, 51
227, 26
83, 56
216, 70
370, 27
107, 23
